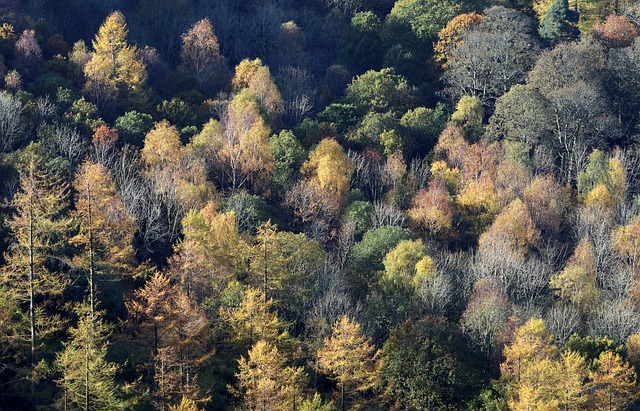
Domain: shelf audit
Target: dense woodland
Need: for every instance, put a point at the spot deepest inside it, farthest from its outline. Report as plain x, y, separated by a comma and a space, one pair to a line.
319, 205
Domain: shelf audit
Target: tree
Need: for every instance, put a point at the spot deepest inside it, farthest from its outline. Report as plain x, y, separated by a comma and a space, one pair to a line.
432, 208
556, 25
240, 146
329, 168
348, 358
174, 328
106, 230
493, 55
210, 254
428, 364
468, 116
254, 319
266, 383
532, 343
486, 314
400, 263
577, 281
409, 31
450, 36
178, 173
289, 156
613, 382
365, 48
513, 225
12, 124
626, 242
87, 377
200, 52
114, 70
28, 52
548, 203
381, 91
39, 228
523, 117
284, 266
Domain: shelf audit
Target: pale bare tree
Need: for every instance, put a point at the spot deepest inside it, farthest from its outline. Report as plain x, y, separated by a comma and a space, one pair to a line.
12, 125
563, 320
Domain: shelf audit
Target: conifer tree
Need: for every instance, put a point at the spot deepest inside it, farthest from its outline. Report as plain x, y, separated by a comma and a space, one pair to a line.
556, 25
87, 377
105, 229
114, 70
349, 359
38, 227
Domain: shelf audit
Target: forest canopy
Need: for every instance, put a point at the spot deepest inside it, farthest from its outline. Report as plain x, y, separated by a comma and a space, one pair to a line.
319, 205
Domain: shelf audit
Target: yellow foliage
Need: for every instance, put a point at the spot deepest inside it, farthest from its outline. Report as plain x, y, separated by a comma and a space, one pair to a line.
450, 176
600, 197
613, 383
161, 146
329, 167
541, 7
617, 180
478, 195
514, 225
533, 343
577, 282
425, 270
626, 241
115, 64
348, 358
245, 71
450, 36
400, 263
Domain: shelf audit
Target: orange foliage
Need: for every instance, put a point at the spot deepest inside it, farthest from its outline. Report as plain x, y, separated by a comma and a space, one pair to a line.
616, 31
450, 36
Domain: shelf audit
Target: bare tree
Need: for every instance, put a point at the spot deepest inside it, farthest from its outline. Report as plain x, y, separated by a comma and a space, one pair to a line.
68, 143
618, 282
616, 319
492, 56
436, 293
563, 320
387, 214
12, 125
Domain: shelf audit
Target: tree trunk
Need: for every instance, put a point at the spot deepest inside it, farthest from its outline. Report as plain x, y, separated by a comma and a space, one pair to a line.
32, 308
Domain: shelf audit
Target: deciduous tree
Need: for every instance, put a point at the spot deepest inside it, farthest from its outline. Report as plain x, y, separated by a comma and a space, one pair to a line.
114, 70
348, 358
200, 52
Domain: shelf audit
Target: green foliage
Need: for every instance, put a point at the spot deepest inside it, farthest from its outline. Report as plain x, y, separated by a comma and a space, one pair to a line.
556, 25
364, 52
427, 363
422, 126
178, 112
591, 348
132, 127
367, 255
289, 156
468, 116
369, 132
341, 116
381, 91
359, 213
409, 32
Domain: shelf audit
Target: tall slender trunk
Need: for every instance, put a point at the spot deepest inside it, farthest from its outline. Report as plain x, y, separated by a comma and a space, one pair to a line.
86, 377
91, 257
265, 276
32, 308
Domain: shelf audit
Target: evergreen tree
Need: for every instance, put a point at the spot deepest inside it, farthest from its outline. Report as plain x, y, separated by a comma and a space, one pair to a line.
557, 23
